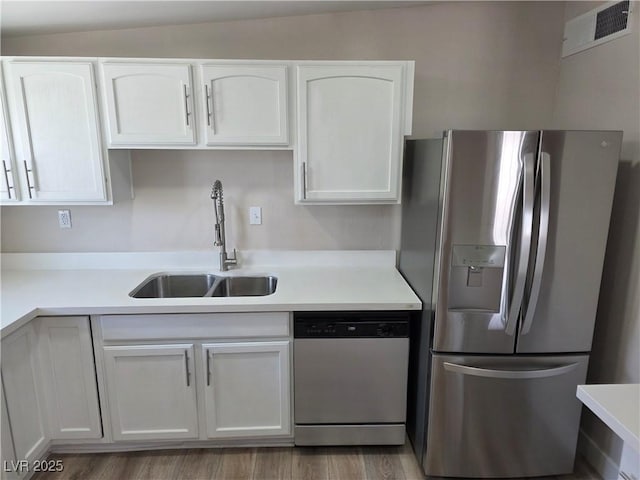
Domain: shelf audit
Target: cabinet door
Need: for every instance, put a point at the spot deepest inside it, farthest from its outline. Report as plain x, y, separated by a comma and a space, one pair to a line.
21, 379
629, 463
350, 133
151, 391
148, 104
55, 116
8, 190
8, 457
69, 376
247, 389
245, 104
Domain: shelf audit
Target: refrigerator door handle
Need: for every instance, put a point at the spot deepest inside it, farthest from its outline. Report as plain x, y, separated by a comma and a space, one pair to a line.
525, 244
543, 232
508, 374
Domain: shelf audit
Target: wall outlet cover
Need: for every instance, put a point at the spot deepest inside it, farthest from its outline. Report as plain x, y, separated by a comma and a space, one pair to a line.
64, 218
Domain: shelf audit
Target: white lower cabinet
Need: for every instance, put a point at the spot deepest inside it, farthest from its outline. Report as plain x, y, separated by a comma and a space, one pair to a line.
196, 376
49, 390
69, 377
8, 456
151, 391
629, 463
246, 389
21, 379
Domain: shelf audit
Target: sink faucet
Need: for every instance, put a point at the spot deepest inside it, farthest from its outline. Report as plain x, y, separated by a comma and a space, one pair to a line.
220, 240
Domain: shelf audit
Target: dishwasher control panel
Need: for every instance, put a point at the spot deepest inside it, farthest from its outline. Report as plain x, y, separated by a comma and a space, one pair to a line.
352, 325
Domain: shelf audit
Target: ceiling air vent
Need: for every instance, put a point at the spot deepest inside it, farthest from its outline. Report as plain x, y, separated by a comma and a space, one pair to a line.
600, 25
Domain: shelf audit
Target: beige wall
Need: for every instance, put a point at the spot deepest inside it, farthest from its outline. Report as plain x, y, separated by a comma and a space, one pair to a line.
599, 88
478, 65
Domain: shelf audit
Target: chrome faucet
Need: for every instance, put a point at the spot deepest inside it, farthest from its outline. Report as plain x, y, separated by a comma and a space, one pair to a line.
220, 240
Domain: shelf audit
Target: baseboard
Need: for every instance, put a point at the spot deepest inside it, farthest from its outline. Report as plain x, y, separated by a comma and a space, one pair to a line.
600, 461
168, 445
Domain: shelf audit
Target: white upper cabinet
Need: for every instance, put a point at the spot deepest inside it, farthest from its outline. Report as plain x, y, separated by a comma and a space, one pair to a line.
54, 119
351, 125
245, 104
8, 191
148, 104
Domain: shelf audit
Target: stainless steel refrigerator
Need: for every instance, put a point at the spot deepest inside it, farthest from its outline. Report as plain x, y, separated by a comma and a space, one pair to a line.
503, 239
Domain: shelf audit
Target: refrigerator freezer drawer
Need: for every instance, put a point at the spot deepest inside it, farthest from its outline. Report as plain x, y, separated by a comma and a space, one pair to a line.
497, 416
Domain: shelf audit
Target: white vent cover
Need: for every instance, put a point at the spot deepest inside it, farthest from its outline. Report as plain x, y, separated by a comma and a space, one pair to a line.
600, 25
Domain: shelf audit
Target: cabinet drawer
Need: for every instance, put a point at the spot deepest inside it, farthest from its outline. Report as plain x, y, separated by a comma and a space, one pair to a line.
194, 326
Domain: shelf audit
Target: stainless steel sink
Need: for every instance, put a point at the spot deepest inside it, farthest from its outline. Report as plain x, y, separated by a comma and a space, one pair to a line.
245, 286
176, 285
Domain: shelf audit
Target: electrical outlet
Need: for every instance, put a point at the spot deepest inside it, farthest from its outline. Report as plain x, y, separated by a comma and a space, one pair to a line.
64, 218
255, 216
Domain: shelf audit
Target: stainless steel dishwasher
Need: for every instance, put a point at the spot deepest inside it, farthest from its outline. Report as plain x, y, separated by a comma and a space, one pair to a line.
350, 378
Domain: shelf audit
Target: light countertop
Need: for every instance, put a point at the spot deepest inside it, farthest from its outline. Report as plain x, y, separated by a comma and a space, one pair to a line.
618, 406
35, 285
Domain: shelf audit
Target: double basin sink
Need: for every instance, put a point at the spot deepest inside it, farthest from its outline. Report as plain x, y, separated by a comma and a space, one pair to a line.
166, 285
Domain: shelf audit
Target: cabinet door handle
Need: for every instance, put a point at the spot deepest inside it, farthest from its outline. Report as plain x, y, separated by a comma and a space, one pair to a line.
186, 363
186, 104
27, 171
209, 102
303, 169
6, 178
208, 367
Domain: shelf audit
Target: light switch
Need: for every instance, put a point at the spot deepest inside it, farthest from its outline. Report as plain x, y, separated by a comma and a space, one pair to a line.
255, 216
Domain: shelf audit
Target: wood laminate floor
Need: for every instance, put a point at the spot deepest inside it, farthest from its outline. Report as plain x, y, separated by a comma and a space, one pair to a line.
288, 463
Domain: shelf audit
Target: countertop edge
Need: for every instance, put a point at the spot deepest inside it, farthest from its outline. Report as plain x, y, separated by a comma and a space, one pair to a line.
606, 415
198, 309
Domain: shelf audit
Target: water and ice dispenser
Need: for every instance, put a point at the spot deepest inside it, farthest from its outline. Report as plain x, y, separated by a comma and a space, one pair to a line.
476, 279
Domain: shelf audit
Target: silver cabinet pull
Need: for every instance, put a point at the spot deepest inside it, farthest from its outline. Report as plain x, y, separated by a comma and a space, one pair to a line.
27, 171
6, 178
186, 104
186, 363
209, 106
208, 367
303, 172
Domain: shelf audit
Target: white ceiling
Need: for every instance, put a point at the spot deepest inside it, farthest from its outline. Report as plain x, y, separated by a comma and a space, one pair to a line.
27, 17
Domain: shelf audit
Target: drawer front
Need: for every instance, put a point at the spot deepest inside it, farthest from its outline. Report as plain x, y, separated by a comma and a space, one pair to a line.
194, 326
503, 416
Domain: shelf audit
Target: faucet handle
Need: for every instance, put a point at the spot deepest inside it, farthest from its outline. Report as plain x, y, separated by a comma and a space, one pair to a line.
234, 260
